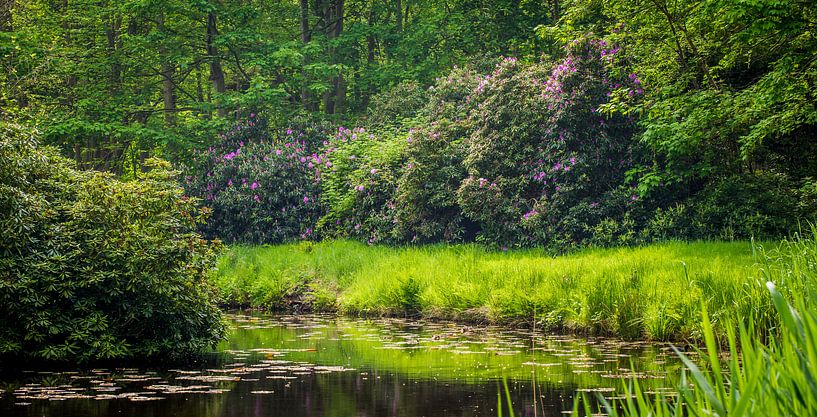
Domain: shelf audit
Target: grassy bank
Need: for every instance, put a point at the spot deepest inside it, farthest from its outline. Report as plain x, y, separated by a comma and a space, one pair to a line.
653, 292
763, 376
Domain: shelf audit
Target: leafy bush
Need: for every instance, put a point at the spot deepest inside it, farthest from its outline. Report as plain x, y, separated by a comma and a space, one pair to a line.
426, 201
762, 205
95, 268
396, 105
359, 189
547, 139
262, 185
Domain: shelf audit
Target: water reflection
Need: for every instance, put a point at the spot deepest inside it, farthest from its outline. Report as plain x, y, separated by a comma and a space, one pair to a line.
330, 366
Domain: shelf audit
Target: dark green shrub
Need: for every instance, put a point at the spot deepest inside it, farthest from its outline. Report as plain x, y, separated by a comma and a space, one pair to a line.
546, 139
426, 200
95, 268
262, 185
761, 205
359, 188
397, 104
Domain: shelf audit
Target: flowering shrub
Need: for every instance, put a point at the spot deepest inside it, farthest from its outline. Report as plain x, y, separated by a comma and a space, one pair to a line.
541, 135
359, 188
529, 154
262, 185
426, 201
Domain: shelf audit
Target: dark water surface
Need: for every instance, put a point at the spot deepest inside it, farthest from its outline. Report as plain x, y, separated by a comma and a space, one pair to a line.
330, 366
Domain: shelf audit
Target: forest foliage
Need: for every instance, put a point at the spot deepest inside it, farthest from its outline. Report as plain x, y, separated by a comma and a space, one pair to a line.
512, 123
728, 85
93, 268
483, 120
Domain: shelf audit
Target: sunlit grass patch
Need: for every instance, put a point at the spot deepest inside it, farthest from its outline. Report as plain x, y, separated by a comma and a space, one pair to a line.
653, 292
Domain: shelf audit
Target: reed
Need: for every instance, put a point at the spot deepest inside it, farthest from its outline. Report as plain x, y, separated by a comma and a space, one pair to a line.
767, 373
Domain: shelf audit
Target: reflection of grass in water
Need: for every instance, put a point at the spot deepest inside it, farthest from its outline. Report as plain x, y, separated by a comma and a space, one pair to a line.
364, 346
653, 292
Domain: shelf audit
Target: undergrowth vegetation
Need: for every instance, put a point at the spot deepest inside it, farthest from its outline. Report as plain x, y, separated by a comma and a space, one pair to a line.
767, 373
514, 154
653, 292
94, 268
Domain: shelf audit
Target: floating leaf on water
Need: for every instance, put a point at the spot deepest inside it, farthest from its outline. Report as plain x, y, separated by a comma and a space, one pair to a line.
601, 389
540, 364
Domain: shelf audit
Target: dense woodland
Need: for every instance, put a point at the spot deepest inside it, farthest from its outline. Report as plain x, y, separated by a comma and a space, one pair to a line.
691, 119
130, 129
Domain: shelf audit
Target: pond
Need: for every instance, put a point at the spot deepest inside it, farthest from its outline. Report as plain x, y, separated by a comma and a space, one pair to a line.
284, 365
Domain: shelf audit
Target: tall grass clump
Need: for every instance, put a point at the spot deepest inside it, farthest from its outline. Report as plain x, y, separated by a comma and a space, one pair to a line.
653, 292
772, 364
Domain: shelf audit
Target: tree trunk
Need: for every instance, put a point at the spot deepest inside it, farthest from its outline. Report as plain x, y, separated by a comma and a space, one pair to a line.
555, 11
168, 96
340, 94
371, 42
398, 15
6, 22
340, 82
112, 29
306, 37
72, 80
216, 71
333, 26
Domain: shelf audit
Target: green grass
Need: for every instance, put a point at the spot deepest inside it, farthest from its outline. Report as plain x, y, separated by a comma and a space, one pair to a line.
762, 377
653, 292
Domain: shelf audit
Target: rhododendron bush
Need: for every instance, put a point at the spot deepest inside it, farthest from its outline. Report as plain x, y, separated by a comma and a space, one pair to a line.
542, 143
528, 154
262, 185
359, 189
426, 195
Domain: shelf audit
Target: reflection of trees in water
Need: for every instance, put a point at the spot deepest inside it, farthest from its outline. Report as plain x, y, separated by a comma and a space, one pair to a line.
382, 394
402, 369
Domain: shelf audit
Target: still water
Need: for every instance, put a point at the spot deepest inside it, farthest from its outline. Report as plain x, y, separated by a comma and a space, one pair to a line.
332, 366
